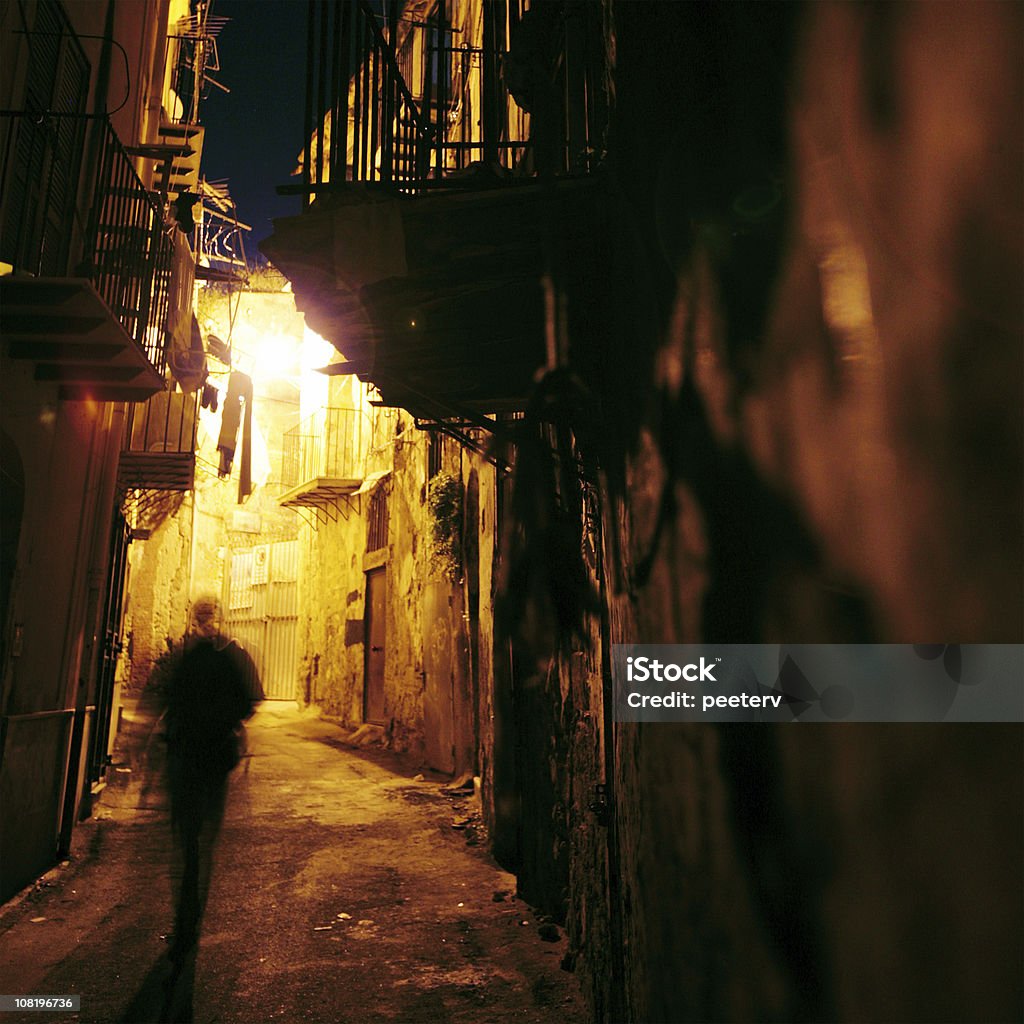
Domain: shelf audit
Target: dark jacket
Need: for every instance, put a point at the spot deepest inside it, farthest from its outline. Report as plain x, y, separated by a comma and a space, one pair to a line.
213, 690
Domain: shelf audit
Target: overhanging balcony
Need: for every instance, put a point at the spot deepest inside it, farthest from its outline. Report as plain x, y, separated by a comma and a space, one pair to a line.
159, 449
445, 205
323, 462
87, 298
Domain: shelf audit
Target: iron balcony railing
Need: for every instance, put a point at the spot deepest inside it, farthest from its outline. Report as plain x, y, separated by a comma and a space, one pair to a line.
406, 103
158, 448
131, 249
164, 424
361, 120
327, 445
121, 244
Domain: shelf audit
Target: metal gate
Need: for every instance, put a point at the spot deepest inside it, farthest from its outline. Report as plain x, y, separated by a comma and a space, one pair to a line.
262, 611
113, 621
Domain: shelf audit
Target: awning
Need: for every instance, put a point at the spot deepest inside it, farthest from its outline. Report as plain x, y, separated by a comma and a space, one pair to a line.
372, 480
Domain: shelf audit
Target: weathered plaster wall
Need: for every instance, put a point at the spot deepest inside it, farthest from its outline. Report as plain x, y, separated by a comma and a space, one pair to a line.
859, 478
333, 588
331, 598
158, 603
828, 406
437, 681
404, 680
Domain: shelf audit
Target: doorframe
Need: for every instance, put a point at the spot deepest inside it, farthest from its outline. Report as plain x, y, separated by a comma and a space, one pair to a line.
381, 571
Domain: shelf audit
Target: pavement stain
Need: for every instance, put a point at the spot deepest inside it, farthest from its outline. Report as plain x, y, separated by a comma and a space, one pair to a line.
317, 836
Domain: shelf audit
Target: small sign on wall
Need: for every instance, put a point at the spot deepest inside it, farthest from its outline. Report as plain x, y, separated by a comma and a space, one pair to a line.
260, 564
242, 521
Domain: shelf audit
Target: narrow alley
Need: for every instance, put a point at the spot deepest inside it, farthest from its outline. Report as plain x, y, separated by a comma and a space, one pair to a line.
565, 419
346, 887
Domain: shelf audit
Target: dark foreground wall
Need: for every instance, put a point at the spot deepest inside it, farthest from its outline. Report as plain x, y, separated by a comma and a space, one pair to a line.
811, 430
833, 417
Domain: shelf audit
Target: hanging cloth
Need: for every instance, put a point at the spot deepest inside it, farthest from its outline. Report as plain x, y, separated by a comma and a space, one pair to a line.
245, 469
239, 391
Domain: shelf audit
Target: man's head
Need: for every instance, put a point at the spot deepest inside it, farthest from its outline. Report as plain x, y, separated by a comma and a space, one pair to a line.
205, 616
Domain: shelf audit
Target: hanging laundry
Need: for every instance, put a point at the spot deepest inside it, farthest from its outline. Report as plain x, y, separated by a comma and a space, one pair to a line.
239, 391
245, 469
218, 349
210, 397
186, 356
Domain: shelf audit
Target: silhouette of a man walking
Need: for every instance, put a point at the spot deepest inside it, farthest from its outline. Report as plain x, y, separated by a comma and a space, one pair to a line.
213, 690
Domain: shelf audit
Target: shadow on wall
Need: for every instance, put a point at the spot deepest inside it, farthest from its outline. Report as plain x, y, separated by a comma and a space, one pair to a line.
808, 414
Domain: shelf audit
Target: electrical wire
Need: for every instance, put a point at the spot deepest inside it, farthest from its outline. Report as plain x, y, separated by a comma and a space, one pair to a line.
29, 33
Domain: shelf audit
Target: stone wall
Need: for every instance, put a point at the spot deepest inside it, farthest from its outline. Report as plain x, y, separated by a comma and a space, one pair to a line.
816, 376
872, 440
157, 609
333, 589
438, 678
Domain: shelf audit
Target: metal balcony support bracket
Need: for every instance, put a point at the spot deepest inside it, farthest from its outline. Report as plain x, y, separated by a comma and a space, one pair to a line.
323, 499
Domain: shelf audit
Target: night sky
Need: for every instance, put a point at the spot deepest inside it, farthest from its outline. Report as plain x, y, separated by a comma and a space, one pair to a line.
254, 134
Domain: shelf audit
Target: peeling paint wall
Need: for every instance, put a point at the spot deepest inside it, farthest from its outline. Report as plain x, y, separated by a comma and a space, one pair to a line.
158, 603
436, 677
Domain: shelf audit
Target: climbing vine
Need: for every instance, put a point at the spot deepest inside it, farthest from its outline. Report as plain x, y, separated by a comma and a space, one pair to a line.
444, 505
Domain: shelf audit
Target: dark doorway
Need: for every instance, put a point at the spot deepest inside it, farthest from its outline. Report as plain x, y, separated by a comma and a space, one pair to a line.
12, 503
113, 621
373, 700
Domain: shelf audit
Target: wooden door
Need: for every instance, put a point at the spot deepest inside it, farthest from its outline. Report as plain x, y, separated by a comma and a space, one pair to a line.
373, 696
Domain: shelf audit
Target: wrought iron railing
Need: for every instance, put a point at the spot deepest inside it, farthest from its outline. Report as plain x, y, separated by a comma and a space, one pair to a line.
165, 424
410, 104
362, 122
122, 244
329, 444
131, 249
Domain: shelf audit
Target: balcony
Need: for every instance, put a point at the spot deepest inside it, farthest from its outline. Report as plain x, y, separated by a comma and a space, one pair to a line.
324, 461
440, 207
159, 448
87, 301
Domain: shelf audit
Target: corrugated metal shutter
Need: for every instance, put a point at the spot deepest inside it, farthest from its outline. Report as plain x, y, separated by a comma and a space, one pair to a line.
262, 612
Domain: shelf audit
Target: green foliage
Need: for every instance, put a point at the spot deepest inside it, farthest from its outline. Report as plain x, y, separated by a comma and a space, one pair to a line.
444, 504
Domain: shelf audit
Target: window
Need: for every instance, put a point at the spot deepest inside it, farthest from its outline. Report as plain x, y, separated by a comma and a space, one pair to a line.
434, 450
377, 521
